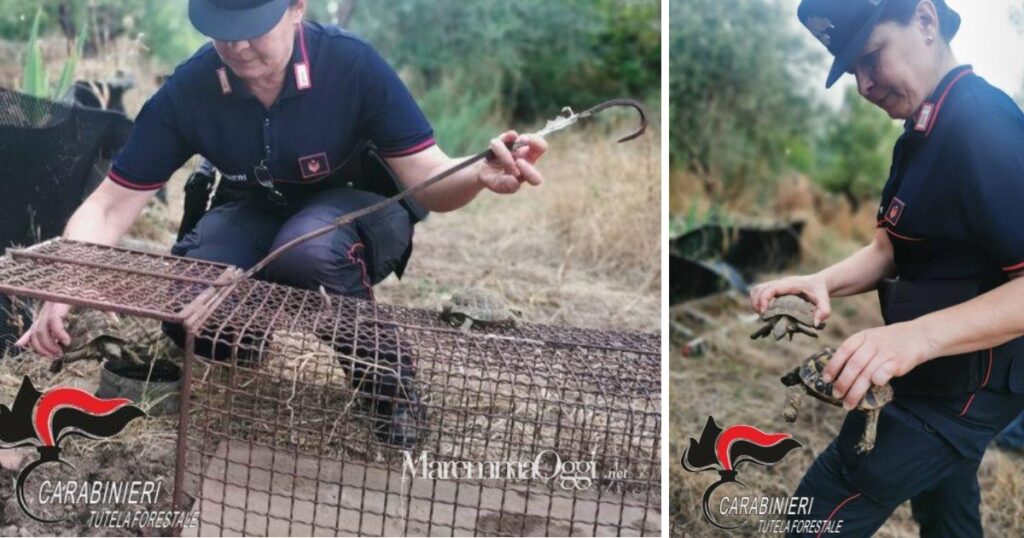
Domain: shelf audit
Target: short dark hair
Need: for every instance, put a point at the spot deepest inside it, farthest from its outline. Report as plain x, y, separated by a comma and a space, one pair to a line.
901, 11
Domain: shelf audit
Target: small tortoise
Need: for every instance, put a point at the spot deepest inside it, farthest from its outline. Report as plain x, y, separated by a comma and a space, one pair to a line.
478, 306
95, 334
788, 314
806, 378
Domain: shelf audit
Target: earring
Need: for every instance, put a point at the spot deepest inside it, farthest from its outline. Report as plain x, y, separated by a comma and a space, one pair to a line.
929, 40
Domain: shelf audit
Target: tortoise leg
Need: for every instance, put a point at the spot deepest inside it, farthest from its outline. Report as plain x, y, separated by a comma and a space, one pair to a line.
796, 395
765, 330
801, 328
867, 440
467, 323
780, 329
70, 357
132, 356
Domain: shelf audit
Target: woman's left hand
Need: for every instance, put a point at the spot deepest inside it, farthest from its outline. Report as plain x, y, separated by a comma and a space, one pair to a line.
873, 357
507, 171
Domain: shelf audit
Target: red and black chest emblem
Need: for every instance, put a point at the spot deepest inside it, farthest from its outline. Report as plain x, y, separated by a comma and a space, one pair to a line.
313, 166
895, 211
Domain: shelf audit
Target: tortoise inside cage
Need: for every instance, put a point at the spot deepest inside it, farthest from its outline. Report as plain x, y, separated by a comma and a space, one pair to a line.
96, 335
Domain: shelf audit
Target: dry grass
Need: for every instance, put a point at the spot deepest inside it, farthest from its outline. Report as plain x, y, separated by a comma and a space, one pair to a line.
582, 249
737, 381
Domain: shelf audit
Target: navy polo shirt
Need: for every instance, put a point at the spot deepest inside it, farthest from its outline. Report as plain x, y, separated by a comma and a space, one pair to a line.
338, 92
954, 209
954, 202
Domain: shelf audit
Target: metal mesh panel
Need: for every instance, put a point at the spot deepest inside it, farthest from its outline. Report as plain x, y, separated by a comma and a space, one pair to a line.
313, 414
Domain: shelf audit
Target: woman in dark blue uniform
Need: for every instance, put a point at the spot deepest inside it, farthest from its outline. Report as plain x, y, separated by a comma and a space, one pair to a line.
279, 105
946, 258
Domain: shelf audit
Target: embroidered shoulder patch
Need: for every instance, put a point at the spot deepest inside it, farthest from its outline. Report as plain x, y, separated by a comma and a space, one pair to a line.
895, 211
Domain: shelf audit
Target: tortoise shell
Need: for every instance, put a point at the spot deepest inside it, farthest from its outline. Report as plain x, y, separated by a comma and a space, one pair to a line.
92, 325
477, 304
810, 374
793, 306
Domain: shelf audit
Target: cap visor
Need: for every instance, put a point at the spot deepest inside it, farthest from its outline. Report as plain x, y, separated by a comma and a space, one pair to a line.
852, 50
235, 24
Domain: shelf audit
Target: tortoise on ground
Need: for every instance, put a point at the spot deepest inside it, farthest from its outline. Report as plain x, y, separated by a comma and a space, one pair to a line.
806, 379
788, 314
96, 335
478, 306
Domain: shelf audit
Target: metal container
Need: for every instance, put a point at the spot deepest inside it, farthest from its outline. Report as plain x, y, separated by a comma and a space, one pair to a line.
162, 392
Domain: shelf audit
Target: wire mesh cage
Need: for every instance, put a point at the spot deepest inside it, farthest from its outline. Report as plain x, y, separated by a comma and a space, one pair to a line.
309, 414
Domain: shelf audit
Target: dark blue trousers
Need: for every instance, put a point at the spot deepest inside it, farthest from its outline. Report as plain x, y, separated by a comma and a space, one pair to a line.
910, 461
347, 261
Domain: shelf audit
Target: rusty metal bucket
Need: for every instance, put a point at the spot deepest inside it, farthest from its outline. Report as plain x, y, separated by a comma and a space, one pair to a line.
158, 392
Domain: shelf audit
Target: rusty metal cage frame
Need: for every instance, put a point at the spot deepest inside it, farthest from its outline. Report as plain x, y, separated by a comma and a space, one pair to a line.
588, 394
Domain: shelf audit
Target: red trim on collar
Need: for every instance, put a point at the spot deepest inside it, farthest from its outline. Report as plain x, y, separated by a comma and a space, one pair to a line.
225, 82
303, 72
931, 110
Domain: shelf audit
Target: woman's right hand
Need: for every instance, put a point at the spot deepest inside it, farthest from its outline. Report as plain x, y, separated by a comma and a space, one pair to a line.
811, 287
47, 333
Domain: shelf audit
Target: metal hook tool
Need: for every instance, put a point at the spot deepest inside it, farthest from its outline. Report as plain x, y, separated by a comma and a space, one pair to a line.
567, 118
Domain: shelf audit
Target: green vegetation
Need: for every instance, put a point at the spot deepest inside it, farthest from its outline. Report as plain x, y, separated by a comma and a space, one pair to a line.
34, 80
476, 66
859, 149
742, 110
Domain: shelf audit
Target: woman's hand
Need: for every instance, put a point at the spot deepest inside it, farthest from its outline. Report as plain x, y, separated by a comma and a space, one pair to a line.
873, 357
507, 171
811, 287
47, 333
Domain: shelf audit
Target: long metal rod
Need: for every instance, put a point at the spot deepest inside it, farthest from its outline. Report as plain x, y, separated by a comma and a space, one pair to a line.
551, 127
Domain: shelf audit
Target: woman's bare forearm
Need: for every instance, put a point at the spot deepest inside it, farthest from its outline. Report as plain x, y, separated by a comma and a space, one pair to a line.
863, 270
984, 322
106, 214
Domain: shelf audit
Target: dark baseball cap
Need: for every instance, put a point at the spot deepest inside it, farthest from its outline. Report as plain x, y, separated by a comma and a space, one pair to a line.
844, 27
236, 20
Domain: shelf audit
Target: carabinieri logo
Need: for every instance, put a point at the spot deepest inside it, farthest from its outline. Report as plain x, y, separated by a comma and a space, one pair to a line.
44, 419
724, 450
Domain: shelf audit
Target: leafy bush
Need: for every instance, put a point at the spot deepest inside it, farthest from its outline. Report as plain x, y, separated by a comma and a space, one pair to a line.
737, 70
856, 150
34, 79
538, 55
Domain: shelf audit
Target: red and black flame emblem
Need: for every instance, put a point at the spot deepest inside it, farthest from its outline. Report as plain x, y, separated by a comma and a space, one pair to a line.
723, 451
44, 419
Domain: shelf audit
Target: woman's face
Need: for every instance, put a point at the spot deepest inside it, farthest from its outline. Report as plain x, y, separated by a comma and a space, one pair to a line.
896, 69
266, 55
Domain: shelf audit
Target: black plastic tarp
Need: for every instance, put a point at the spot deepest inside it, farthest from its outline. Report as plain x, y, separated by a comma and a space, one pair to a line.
49, 152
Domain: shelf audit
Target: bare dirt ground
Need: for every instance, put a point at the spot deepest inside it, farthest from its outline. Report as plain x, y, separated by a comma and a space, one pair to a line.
736, 380
581, 250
